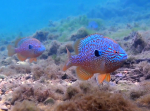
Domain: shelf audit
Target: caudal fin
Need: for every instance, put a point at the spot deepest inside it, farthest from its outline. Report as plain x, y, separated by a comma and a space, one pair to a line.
11, 50
68, 63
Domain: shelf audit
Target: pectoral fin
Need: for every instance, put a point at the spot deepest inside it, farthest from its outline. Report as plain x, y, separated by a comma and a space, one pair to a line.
83, 74
33, 59
21, 58
101, 77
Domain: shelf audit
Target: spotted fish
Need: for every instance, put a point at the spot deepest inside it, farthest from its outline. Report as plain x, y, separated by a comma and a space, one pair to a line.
26, 48
96, 54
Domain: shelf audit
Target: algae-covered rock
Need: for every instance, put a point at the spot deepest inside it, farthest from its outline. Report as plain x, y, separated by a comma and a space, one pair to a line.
41, 35
138, 44
54, 47
81, 33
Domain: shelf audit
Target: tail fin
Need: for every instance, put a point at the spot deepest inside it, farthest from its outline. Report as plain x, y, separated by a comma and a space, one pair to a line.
11, 50
68, 63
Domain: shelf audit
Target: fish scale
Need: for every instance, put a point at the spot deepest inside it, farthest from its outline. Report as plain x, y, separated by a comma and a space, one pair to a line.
96, 54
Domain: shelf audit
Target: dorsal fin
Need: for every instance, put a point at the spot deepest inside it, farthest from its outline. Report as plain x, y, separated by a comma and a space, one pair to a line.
111, 39
76, 45
88, 39
20, 41
17, 41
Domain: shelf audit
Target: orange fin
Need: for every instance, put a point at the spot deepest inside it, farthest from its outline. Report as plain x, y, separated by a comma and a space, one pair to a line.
68, 63
108, 77
21, 58
16, 42
11, 50
33, 59
76, 45
82, 74
100, 78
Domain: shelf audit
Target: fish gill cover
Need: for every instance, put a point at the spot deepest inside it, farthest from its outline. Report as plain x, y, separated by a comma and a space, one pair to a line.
47, 27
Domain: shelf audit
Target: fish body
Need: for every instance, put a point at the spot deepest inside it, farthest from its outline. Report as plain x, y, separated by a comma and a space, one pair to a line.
26, 48
96, 54
93, 25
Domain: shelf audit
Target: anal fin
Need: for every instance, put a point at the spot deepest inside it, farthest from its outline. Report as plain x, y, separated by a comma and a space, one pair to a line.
82, 74
21, 58
33, 59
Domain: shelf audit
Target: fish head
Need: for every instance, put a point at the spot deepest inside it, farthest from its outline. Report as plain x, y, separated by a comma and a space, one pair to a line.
40, 49
116, 54
36, 49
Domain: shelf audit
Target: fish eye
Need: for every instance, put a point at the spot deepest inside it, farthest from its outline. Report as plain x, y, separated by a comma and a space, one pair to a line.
116, 52
30, 46
97, 54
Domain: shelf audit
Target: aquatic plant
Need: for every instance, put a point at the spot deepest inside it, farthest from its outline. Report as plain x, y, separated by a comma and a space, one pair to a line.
71, 91
49, 71
25, 105
140, 90
85, 87
36, 93
144, 100
119, 34
96, 101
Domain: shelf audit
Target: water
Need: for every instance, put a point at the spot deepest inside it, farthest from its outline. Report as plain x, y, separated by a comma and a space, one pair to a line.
57, 24
29, 16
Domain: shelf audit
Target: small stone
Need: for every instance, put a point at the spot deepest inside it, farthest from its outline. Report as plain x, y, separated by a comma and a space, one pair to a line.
3, 108
65, 76
2, 76
49, 101
28, 77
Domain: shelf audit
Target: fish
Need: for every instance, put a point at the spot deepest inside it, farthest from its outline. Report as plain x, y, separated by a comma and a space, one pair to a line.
93, 25
95, 54
25, 48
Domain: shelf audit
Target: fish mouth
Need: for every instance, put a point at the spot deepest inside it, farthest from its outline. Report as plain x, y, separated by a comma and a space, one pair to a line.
125, 57
42, 48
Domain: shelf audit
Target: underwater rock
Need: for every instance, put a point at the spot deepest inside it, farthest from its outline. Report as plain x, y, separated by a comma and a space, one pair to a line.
44, 55
54, 47
138, 44
52, 36
132, 35
81, 33
41, 35
147, 47
3, 108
